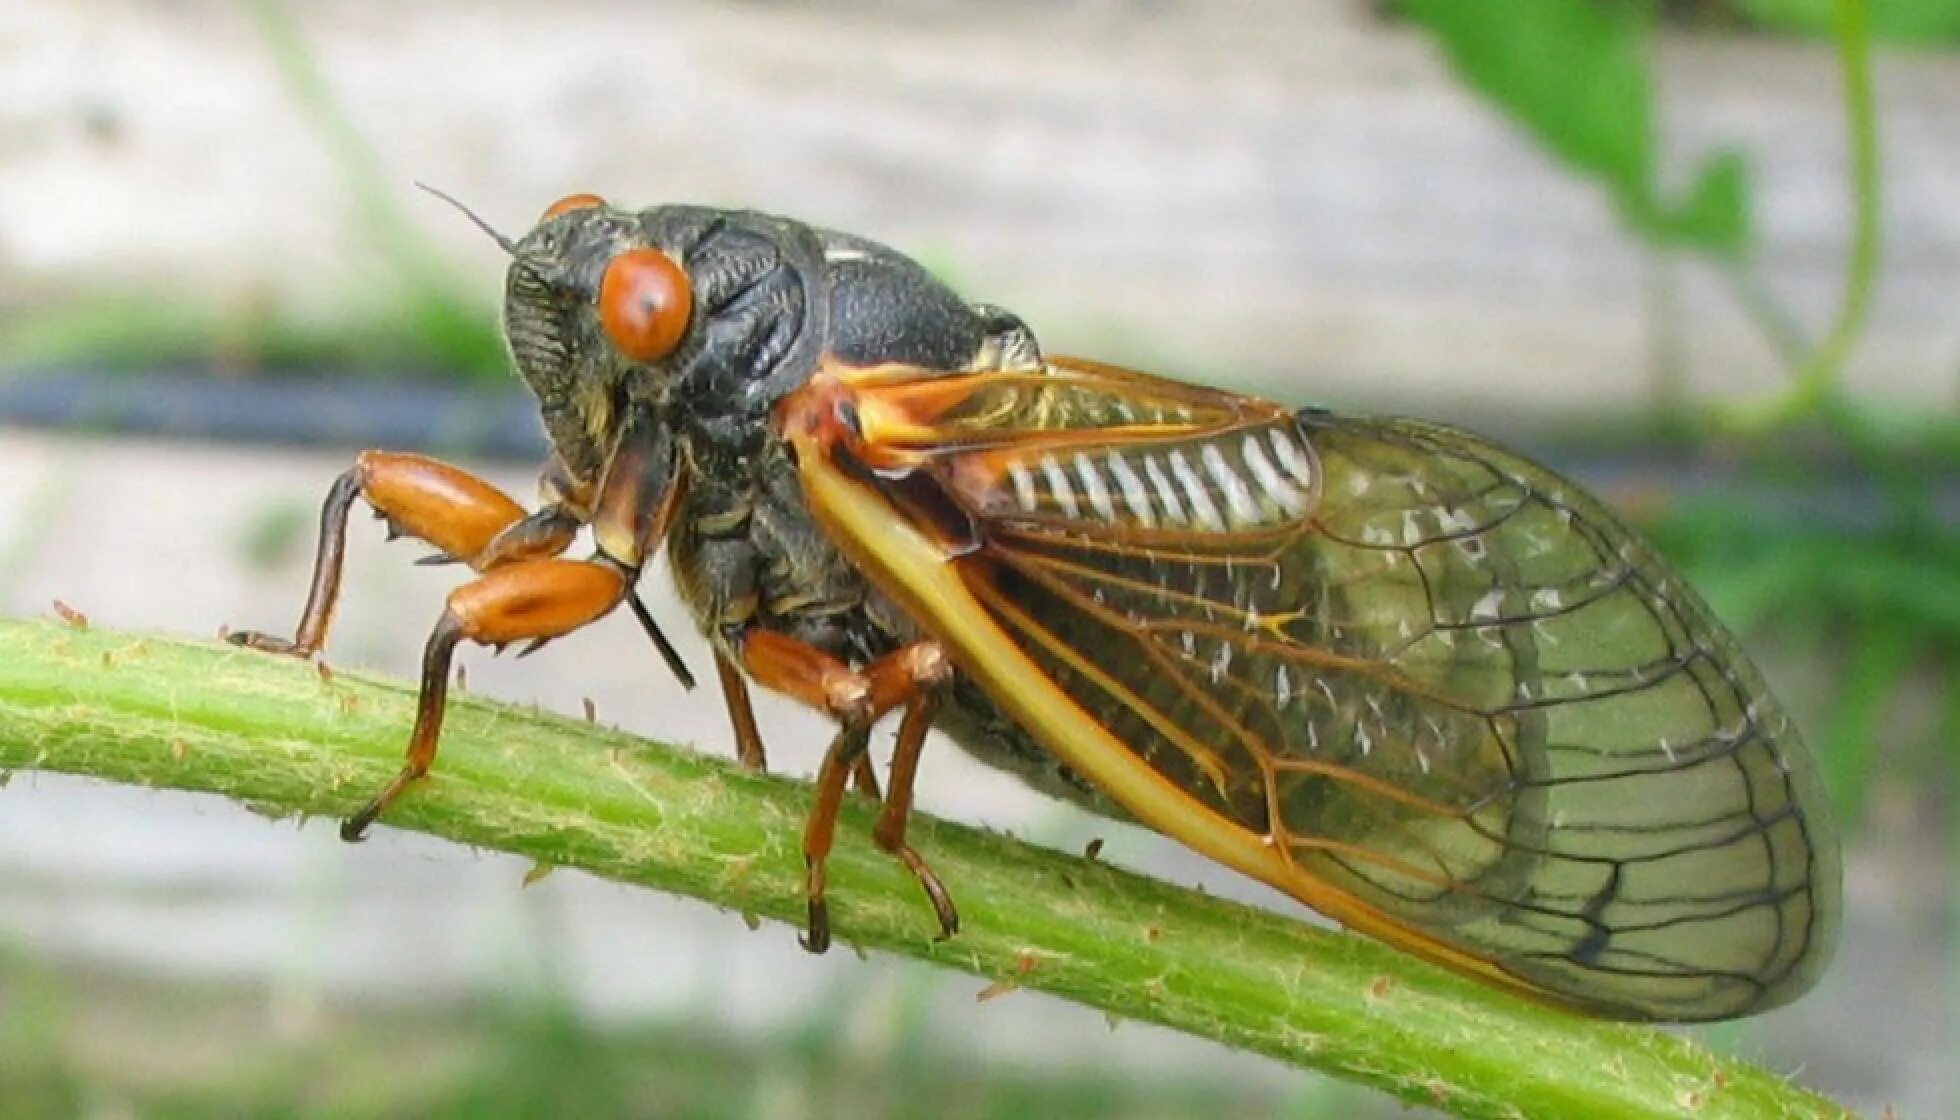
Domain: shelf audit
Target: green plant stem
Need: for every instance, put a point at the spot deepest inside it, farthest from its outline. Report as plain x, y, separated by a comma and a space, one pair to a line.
1817, 381
1820, 374
287, 740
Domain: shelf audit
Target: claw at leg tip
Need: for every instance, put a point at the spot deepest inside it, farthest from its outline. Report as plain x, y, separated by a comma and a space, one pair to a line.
817, 938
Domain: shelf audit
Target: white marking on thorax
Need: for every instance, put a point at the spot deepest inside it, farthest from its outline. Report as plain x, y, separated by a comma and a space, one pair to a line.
1023, 485
1237, 497
1092, 484
1275, 487
1202, 509
1166, 493
1134, 494
1058, 485
1292, 458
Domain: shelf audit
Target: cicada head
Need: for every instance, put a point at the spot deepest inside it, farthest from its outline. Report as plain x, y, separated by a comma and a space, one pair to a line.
591, 302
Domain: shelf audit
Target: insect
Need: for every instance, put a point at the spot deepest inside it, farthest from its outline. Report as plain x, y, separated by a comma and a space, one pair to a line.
1422, 685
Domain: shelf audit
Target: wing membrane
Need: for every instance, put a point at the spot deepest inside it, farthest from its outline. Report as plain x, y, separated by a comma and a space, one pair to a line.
1450, 691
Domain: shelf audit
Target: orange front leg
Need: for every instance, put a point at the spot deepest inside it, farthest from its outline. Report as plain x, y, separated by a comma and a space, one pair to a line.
536, 600
530, 600
466, 518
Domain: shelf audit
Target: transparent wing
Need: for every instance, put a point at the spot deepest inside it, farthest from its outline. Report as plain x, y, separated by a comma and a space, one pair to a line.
1433, 676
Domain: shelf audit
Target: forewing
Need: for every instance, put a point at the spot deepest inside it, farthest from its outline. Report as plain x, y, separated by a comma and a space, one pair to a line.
1432, 676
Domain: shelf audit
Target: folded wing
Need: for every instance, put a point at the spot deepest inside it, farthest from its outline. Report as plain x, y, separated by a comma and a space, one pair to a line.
1450, 696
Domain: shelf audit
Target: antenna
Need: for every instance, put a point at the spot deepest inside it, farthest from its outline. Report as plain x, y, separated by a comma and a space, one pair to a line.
508, 245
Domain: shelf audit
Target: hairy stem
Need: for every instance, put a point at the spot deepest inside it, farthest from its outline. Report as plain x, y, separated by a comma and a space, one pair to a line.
285, 739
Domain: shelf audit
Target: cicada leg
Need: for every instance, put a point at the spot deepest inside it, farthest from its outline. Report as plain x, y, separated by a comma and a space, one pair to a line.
820, 830
529, 600
535, 600
889, 832
741, 714
908, 678
467, 519
865, 777
748, 738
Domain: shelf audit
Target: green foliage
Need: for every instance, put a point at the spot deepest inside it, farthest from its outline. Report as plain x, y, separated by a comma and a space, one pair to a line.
1899, 21
276, 534
177, 1048
38, 1079
1577, 75
1884, 608
139, 332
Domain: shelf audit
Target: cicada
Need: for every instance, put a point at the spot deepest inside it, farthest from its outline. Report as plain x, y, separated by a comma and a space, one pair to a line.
1423, 685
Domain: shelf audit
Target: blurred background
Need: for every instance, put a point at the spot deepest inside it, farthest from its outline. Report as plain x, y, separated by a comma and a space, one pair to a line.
1642, 241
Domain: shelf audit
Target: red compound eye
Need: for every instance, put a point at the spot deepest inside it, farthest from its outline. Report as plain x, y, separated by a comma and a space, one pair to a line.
570, 203
644, 303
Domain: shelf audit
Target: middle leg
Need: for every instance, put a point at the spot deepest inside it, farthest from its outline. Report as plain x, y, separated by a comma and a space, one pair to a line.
908, 677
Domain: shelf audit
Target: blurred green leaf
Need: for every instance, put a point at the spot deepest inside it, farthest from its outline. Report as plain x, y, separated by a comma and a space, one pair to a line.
1715, 213
275, 534
1880, 658
1572, 71
1576, 74
1880, 606
125, 331
75, 1041
40, 1080
1897, 21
